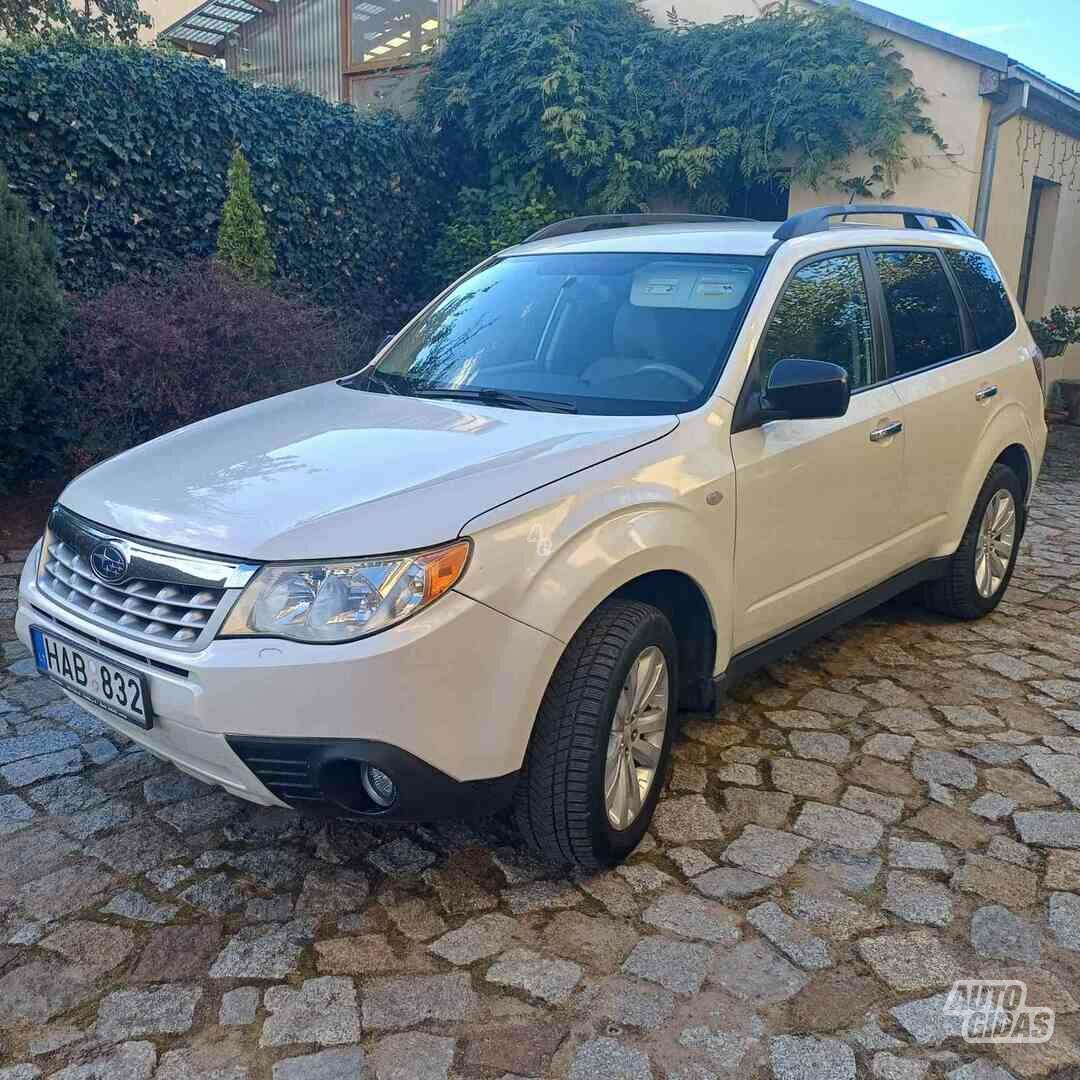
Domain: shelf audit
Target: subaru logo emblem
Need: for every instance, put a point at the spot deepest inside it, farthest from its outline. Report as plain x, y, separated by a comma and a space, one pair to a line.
108, 562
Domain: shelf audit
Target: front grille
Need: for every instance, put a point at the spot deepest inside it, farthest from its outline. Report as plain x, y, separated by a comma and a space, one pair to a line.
170, 598
140, 608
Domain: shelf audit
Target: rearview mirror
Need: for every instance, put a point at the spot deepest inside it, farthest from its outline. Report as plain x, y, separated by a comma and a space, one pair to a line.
805, 390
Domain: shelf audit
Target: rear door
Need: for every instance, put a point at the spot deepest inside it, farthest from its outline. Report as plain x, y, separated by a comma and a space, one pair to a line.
817, 515
948, 360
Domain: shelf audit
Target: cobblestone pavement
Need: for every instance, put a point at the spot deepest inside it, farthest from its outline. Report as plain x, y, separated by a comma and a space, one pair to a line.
888, 810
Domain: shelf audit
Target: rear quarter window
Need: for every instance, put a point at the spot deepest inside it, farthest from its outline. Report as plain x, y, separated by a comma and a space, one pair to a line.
991, 313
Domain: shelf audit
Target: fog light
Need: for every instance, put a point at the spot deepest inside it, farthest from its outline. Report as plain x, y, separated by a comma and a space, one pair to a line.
379, 787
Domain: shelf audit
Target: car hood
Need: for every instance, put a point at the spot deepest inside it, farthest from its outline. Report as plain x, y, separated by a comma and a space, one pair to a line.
330, 472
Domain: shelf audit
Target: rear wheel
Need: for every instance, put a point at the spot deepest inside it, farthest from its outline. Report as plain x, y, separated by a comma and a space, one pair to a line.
599, 750
980, 570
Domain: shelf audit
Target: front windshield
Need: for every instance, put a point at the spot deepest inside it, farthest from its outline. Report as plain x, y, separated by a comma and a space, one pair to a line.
619, 333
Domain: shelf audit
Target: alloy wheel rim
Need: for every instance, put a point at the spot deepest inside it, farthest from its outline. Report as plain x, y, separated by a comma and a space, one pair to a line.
997, 535
637, 738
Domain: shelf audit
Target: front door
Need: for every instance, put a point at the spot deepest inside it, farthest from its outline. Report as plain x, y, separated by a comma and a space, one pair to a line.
819, 501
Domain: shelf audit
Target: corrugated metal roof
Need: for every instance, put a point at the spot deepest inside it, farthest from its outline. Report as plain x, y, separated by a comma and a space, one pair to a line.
207, 26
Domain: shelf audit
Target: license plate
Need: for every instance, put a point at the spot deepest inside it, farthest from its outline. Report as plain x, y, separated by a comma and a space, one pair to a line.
111, 686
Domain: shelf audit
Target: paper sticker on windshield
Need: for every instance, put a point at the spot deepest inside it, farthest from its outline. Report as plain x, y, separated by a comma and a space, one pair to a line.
701, 288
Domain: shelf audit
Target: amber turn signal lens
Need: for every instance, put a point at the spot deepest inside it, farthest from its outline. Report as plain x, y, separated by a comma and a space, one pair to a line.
442, 568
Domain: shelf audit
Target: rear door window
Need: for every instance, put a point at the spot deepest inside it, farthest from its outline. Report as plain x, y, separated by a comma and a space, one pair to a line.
922, 308
991, 313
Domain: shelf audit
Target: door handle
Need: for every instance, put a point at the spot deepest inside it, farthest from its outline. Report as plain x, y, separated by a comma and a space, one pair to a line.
894, 427
985, 393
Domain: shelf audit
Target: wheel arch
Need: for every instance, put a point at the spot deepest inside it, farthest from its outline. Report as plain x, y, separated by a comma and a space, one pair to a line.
1016, 457
1007, 440
682, 601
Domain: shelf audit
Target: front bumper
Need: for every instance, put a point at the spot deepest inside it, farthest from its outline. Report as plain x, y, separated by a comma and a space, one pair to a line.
446, 700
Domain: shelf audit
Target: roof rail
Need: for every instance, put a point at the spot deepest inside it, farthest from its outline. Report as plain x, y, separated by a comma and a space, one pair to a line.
915, 217
623, 221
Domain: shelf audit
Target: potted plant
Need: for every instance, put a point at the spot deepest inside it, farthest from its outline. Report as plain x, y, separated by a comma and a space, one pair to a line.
1055, 332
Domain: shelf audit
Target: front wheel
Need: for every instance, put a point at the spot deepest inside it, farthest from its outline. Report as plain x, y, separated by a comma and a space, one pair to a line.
980, 570
599, 751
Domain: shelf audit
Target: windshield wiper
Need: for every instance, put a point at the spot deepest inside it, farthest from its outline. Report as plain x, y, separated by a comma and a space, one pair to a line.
487, 395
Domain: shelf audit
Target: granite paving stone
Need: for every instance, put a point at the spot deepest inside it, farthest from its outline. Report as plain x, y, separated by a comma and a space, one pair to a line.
916, 899
256, 952
729, 883
692, 917
821, 746
1060, 771
680, 966
30, 770
687, 819
323, 1010
162, 1010
910, 961
769, 852
996, 933
916, 854
339, 1063
835, 825
792, 939
805, 779
551, 980
15, 814
412, 1056
1049, 828
239, 1006
608, 1059
133, 905
401, 1002
41, 989
796, 1057
93, 947
135, 1060
755, 973
1063, 871
851, 870
992, 879
1064, 919
635, 1003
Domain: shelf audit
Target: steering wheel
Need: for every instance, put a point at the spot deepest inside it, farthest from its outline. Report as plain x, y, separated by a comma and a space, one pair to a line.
676, 373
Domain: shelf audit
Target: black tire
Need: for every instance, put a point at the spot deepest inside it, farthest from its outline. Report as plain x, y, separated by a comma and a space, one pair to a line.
559, 803
955, 594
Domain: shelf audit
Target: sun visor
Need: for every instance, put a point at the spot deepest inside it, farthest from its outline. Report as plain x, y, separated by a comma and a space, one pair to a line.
700, 288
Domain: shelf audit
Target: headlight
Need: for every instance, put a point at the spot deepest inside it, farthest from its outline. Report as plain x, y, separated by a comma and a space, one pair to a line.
342, 601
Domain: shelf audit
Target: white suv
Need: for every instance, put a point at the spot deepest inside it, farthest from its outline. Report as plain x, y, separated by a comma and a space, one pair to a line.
603, 475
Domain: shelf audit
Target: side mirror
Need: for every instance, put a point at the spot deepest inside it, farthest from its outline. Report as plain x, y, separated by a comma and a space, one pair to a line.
805, 390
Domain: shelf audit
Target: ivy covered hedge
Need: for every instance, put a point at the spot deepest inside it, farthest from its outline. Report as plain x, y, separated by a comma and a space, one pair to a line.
124, 151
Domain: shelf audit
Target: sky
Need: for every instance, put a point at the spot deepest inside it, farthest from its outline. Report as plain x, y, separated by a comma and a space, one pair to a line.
1043, 34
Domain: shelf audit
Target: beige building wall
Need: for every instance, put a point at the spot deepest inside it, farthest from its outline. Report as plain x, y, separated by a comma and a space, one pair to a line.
163, 13
1029, 151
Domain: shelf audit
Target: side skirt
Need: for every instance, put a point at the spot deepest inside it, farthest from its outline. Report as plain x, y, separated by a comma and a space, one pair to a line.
775, 648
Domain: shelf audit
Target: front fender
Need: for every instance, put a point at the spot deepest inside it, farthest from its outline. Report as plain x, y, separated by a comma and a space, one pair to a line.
553, 556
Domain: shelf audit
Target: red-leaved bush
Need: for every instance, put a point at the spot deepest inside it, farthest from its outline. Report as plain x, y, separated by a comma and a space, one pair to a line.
152, 354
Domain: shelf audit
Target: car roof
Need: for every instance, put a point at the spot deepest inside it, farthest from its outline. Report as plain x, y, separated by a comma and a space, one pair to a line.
711, 238
733, 238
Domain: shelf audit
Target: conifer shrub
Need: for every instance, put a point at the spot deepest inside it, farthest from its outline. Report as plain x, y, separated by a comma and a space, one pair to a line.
32, 319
